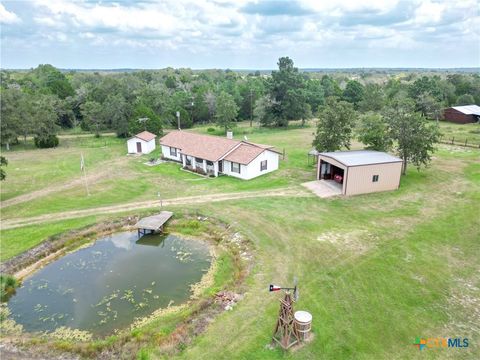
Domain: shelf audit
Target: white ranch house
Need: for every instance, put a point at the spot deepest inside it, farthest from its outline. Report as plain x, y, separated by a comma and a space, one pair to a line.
143, 143
214, 155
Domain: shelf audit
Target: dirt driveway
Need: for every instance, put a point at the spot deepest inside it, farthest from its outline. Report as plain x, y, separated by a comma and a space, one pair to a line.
19, 222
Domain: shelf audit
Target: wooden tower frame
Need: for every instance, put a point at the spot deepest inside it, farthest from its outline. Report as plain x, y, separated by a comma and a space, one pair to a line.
286, 333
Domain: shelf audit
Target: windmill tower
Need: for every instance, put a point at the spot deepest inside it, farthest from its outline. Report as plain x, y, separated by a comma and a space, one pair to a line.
286, 333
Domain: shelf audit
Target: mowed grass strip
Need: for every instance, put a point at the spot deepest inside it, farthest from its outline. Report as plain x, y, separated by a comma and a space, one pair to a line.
16, 241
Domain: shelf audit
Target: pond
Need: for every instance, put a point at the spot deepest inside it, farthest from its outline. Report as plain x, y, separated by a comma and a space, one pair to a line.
107, 285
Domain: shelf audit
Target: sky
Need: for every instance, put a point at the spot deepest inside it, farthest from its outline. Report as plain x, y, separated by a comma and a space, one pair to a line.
239, 34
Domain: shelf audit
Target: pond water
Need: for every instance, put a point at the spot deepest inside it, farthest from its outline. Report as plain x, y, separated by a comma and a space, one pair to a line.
109, 284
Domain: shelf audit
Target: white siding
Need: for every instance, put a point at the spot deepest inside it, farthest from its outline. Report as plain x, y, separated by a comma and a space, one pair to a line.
147, 146
227, 166
166, 153
252, 170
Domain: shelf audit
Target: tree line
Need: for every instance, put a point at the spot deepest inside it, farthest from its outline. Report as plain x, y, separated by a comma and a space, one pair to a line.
44, 100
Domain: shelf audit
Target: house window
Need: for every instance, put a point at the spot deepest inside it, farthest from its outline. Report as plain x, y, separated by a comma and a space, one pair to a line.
198, 160
263, 165
235, 167
188, 160
173, 151
375, 178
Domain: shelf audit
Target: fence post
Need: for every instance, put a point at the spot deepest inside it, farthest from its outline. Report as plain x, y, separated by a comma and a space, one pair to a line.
453, 139
466, 142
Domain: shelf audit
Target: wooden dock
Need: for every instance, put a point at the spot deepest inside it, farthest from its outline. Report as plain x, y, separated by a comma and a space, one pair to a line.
153, 224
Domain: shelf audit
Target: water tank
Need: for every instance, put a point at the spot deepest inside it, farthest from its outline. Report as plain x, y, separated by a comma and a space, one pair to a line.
303, 322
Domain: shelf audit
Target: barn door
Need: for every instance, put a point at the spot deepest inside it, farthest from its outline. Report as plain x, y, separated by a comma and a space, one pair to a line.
139, 147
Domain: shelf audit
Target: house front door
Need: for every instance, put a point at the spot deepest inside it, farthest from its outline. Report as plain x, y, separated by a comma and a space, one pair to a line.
139, 147
220, 166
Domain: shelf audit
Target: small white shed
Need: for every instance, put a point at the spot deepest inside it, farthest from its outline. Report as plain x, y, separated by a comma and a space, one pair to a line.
143, 143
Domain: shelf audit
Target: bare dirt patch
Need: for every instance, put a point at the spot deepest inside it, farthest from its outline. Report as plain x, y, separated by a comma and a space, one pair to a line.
356, 241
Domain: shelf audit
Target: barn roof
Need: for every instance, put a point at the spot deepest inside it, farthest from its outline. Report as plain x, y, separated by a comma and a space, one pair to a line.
212, 148
361, 157
146, 136
468, 109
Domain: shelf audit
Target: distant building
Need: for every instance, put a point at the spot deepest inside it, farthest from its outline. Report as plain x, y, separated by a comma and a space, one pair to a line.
359, 171
142, 143
462, 114
214, 155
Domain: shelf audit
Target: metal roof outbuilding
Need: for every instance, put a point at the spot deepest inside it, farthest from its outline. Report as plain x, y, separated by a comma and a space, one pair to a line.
361, 157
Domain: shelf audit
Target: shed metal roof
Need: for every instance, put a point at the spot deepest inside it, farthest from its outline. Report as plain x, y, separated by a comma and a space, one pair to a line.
468, 109
361, 157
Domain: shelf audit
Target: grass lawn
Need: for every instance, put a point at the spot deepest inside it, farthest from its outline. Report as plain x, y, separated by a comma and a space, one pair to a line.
460, 132
376, 271
15, 241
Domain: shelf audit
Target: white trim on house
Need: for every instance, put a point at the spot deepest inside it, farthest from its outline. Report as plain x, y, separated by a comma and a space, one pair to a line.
208, 154
246, 171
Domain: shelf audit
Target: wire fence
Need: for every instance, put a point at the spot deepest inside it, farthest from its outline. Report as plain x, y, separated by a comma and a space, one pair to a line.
465, 142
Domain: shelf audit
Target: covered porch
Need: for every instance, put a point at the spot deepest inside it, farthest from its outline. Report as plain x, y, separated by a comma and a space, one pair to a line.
201, 166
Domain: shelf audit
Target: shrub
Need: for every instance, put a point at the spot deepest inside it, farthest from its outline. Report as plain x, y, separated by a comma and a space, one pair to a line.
7, 286
211, 130
143, 354
46, 142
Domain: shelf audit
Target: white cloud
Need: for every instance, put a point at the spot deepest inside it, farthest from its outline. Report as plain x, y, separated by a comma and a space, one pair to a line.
341, 6
8, 17
429, 13
216, 29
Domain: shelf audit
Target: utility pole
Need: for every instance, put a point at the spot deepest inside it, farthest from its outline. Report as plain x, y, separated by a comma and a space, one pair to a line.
192, 104
251, 109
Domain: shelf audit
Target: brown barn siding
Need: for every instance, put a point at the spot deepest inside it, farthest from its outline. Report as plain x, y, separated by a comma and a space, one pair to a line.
458, 117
